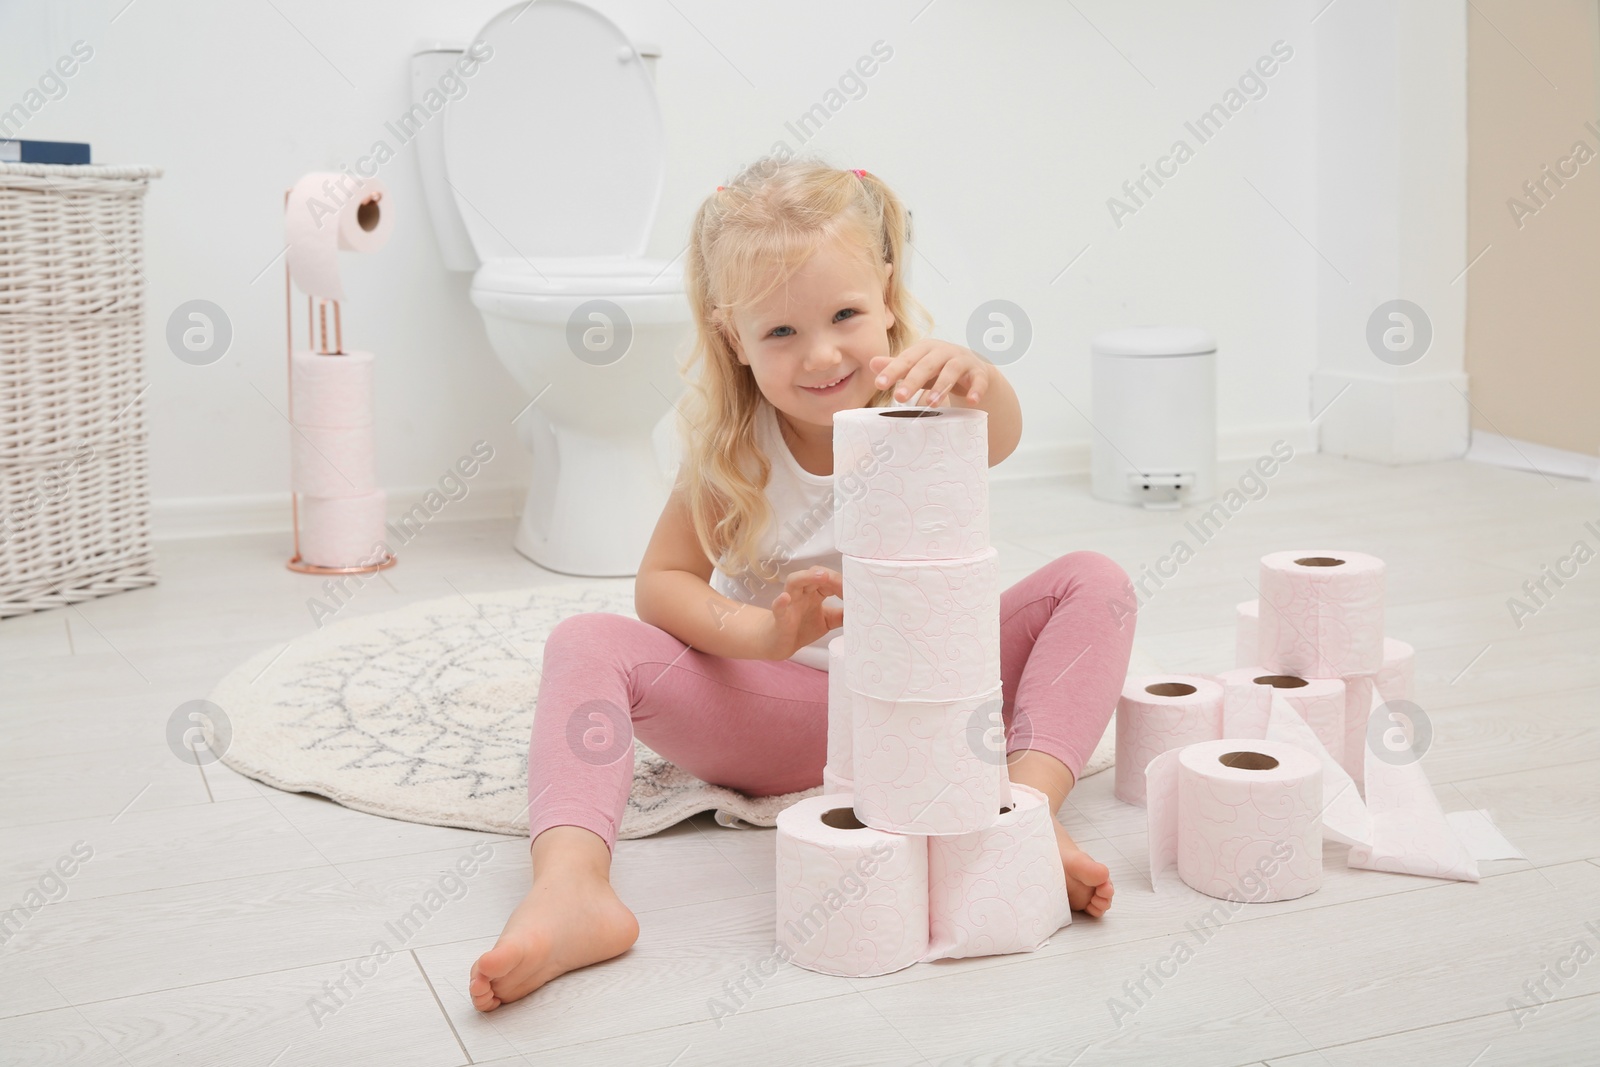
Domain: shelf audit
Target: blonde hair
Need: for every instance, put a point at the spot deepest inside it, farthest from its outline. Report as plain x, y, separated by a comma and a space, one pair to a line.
767, 221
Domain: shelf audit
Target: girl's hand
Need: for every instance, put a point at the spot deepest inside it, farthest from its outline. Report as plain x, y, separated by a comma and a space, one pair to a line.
944, 369
798, 615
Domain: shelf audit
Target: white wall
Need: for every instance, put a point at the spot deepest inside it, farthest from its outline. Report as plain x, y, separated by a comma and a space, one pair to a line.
1006, 126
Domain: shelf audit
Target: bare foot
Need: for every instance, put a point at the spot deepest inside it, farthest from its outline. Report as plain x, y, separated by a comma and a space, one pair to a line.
569, 919
1088, 881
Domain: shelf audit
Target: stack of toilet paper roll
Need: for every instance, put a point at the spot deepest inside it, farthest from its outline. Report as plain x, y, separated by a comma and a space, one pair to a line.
331, 462
1245, 773
919, 847
332, 467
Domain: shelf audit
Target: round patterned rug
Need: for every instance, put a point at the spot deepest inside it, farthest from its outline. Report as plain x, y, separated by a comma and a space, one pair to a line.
423, 714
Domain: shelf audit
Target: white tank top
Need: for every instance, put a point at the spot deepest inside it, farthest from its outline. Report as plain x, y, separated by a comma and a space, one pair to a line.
800, 534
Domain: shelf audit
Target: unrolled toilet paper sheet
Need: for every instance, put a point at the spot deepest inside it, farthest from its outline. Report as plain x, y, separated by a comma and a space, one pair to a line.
1392, 682
1481, 837
1410, 834
1345, 818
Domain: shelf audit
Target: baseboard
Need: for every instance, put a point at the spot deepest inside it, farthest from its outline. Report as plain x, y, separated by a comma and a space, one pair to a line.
181, 518
177, 519
1501, 451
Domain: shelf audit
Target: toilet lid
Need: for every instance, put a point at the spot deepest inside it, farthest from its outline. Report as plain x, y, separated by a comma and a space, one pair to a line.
556, 149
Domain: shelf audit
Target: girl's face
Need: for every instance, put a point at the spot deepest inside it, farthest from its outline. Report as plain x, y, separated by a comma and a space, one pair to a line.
809, 344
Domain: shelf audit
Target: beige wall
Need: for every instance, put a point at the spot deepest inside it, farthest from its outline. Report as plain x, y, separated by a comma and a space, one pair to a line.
1533, 300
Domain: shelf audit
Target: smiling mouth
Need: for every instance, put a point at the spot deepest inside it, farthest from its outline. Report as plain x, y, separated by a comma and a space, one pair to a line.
827, 386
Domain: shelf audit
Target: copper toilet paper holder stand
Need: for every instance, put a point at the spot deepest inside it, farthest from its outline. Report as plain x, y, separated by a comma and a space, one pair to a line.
316, 313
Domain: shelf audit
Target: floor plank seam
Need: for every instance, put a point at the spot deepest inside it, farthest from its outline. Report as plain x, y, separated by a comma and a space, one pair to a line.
1520, 770
1435, 1026
451, 1023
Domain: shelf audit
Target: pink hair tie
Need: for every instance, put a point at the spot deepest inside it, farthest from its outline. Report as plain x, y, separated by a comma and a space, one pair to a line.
859, 173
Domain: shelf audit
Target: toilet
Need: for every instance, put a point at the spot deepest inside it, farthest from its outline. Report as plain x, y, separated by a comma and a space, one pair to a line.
543, 179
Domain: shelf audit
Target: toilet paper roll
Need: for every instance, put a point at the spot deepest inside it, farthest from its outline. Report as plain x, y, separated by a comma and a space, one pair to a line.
1159, 712
1392, 682
1240, 818
332, 390
343, 531
922, 630
851, 900
911, 482
838, 774
1271, 706
1247, 701
1321, 613
1247, 620
998, 890
328, 212
331, 461
930, 767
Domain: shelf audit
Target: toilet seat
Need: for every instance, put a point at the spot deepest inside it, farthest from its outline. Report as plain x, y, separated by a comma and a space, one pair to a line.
557, 149
552, 290
580, 276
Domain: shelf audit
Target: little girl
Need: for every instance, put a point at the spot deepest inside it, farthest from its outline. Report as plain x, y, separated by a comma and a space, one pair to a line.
796, 277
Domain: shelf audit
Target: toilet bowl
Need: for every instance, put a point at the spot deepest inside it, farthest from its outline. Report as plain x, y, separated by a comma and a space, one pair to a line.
542, 175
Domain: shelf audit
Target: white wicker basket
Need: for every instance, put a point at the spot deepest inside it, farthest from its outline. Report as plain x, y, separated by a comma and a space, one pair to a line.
74, 495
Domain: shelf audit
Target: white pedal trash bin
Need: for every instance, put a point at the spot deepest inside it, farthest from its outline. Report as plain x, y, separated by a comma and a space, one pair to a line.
1154, 392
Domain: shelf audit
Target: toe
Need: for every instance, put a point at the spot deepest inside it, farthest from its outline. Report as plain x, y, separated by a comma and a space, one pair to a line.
479, 990
497, 962
492, 967
1102, 900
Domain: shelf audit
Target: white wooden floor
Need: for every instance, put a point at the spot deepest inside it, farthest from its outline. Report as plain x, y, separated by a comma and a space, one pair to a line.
214, 910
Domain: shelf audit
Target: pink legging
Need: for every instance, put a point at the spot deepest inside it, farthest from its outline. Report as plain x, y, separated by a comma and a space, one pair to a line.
760, 726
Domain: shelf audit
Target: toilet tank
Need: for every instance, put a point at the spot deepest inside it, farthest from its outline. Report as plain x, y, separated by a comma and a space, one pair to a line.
429, 63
